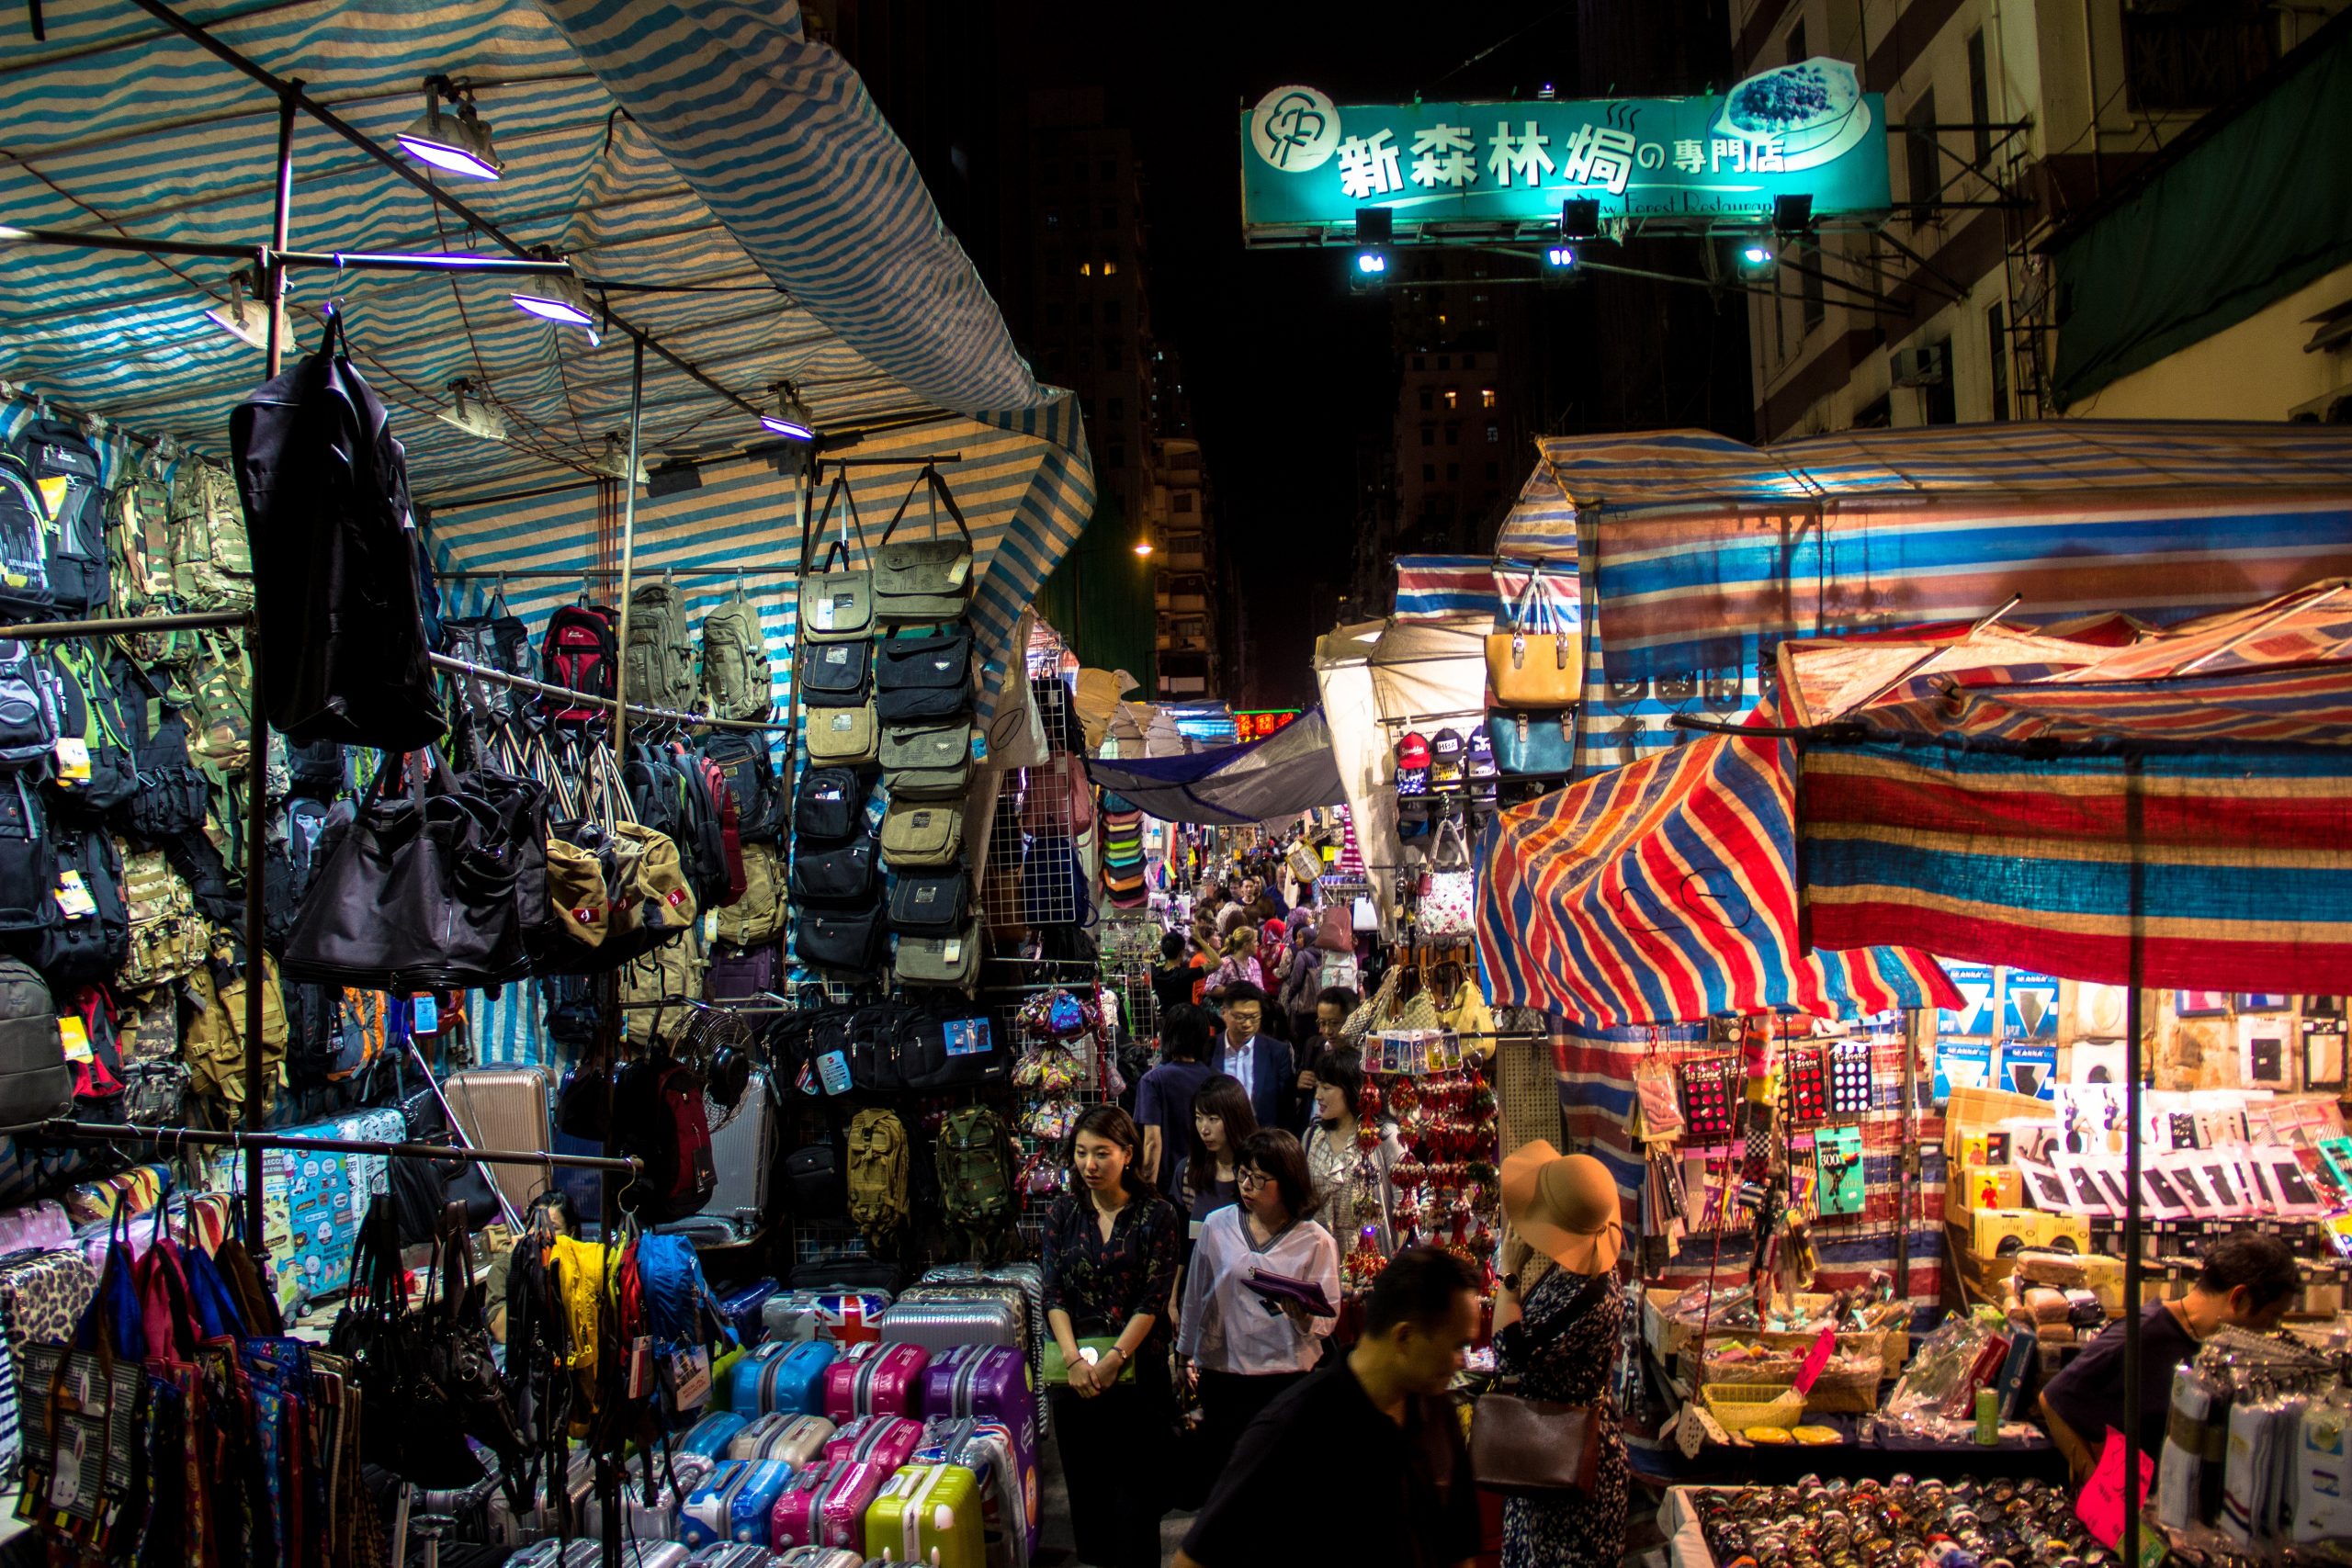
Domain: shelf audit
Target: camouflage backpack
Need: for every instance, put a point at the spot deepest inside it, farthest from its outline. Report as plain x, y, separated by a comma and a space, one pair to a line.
168, 941
138, 541
975, 1177
211, 567
221, 683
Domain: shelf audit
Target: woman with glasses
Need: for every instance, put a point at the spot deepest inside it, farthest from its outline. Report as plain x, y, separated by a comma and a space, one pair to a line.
1244, 1347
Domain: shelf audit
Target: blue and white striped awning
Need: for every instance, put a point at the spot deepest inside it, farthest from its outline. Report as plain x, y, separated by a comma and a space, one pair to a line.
722, 181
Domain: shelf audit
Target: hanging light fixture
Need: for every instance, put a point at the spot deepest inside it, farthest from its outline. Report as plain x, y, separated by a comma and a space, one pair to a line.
791, 420
247, 320
614, 464
480, 420
1143, 547
455, 142
559, 299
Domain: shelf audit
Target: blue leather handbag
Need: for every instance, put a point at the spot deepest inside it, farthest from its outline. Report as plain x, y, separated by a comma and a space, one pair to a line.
1533, 743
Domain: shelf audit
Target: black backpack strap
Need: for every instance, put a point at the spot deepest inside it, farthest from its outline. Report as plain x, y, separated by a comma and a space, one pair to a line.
931, 478
840, 491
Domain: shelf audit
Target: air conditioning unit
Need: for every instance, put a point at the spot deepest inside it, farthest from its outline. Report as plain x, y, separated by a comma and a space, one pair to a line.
1929, 367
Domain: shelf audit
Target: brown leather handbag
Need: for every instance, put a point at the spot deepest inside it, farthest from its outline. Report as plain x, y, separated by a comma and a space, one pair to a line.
1533, 1447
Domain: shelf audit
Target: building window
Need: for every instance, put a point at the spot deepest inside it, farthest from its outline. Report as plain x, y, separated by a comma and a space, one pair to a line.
1938, 402
1053, 217
1109, 269
1110, 168
1086, 269
1429, 399
1109, 313
1453, 473
1494, 434
1429, 473
1921, 159
1796, 41
1485, 397
1997, 346
1454, 397
1429, 435
1418, 360
1444, 361
1049, 173
1980, 101
1453, 432
1183, 500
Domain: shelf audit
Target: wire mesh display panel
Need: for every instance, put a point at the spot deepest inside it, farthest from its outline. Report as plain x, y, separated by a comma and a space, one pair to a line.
1035, 875
1528, 1091
1129, 946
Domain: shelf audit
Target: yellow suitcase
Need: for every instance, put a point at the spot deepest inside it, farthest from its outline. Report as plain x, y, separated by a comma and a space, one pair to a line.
928, 1514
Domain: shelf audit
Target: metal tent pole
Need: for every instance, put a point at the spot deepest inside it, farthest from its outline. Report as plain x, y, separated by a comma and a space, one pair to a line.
273, 285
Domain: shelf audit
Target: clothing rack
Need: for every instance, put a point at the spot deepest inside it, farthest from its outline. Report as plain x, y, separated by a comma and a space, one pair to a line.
66, 1128
483, 672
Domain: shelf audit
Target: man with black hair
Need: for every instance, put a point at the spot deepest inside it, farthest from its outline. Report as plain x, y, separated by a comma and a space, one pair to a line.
2247, 1282
1260, 1062
1363, 1463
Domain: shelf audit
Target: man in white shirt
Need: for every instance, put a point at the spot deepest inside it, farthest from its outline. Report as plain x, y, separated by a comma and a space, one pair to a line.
1261, 1063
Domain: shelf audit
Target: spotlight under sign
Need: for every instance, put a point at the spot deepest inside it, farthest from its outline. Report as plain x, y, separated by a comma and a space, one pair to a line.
1313, 169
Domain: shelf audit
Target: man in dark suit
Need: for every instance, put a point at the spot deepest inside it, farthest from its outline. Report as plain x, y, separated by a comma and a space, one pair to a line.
1261, 1062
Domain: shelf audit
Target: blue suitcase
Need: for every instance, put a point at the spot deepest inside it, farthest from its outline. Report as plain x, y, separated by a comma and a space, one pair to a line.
743, 1391
795, 1382
763, 1482
741, 1310
710, 1436
705, 1518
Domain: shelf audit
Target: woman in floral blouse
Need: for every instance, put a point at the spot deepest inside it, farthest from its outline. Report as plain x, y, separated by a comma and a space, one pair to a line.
1111, 1253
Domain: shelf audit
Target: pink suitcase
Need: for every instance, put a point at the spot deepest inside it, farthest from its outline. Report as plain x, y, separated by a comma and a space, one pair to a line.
883, 1440
877, 1379
825, 1506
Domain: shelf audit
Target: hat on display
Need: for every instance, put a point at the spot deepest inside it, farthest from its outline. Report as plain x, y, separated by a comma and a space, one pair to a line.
1413, 764
1446, 760
1482, 753
1565, 1206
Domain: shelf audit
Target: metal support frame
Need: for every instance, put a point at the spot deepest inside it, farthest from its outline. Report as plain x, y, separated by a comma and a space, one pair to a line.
589, 699
278, 256
2134, 1065
65, 1129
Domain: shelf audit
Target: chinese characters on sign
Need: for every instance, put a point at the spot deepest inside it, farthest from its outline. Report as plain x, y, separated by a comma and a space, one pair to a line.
1257, 725
1804, 129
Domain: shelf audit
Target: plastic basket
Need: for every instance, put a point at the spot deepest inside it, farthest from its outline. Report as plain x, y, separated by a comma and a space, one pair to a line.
1738, 1406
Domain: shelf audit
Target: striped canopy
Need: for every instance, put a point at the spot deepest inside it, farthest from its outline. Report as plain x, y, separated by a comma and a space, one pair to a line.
1665, 892
1702, 553
719, 181
1994, 820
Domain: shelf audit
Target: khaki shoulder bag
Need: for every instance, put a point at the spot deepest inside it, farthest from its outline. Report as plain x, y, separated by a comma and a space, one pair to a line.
836, 606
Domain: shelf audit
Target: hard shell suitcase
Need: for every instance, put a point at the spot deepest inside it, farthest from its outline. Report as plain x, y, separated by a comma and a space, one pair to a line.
882, 1440
741, 1308
659, 1519
794, 1381
742, 1390
705, 1518
1010, 1508
928, 1513
939, 1325
877, 1379
988, 1382
505, 1107
821, 1557
793, 1520
735, 1554
837, 1317
748, 1516
710, 1436
743, 1150
825, 1506
782, 1434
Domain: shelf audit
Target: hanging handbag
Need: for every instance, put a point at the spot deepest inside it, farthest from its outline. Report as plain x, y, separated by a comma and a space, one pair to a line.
1335, 929
932, 904
421, 892
953, 960
834, 674
833, 939
1448, 910
844, 737
920, 833
927, 762
923, 680
836, 606
831, 806
840, 876
1534, 744
1537, 661
928, 580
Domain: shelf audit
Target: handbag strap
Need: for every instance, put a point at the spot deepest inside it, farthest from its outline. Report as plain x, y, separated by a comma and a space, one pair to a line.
842, 492
939, 492
1460, 841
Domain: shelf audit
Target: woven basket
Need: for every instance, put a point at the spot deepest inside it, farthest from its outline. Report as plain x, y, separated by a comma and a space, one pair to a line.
1739, 1407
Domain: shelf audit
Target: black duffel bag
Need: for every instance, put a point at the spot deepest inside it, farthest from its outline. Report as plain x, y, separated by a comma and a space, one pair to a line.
422, 891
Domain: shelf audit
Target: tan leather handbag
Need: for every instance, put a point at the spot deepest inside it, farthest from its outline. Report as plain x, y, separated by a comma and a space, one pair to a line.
1537, 659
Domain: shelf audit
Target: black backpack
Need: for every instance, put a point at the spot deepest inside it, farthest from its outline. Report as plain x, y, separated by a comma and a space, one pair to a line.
325, 488
27, 859
60, 459
313, 1032
289, 861
36, 1082
657, 794
91, 944
498, 641
172, 795
704, 847
751, 773
24, 545
831, 807
93, 709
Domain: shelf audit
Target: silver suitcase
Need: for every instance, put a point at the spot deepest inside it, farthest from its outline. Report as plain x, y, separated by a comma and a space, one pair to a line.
660, 1522
940, 1323
783, 1434
821, 1557
732, 1554
743, 1148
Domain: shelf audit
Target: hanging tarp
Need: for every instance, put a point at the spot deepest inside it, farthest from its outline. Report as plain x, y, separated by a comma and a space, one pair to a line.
1291, 771
1665, 892
1995, 821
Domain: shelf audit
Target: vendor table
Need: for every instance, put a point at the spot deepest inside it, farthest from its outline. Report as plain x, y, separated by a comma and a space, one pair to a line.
1860, 1455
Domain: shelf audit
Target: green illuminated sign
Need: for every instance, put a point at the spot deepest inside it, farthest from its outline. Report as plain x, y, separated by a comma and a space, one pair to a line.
1803, 130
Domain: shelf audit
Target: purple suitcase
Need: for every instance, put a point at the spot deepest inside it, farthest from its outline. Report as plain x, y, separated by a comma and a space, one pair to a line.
876, 1379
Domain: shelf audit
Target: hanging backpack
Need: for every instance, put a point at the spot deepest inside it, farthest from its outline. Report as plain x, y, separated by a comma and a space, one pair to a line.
212, 564
876, 1175
221, 681
977, 1192
139, 540
36, 1083
104, 774
172, 795
313, 1034
93, 1045
166, 940
679, 1307
27, 859
758, 917
579, 653
289, 861
751, 778
731, 829
28, 718
90, 936
736, 680
24, 544
659, 1119
496, 640
64, 468
660, 657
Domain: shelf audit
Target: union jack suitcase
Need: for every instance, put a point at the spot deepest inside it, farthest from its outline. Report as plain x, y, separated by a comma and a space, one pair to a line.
782, 1434
841, 1319
877, 1379
883, 1441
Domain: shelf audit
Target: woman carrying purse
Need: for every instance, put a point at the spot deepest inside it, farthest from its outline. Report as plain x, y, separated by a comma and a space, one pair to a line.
1557, 1318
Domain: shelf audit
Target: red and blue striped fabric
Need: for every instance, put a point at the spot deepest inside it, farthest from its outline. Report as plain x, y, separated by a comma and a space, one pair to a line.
1440, 588
1665, 892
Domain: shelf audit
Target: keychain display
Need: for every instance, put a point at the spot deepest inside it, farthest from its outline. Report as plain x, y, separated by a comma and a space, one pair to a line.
1849, 1078
1708, 1091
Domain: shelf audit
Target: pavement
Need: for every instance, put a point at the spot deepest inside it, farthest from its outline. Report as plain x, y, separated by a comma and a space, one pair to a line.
1055, 1548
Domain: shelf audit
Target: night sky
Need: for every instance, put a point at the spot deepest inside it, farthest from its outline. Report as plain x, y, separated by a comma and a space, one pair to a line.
1286, 369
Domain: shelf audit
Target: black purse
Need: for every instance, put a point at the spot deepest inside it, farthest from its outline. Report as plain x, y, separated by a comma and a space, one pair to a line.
414, 1429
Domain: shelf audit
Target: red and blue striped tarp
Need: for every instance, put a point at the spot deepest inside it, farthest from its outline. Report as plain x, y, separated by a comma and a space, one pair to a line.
1439, 588
1665, 892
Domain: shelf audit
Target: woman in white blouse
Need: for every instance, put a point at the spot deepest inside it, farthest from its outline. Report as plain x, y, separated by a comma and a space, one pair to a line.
1244, 1349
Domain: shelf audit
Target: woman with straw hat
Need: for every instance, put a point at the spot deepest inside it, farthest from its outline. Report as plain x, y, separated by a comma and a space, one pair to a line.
1558, 1317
